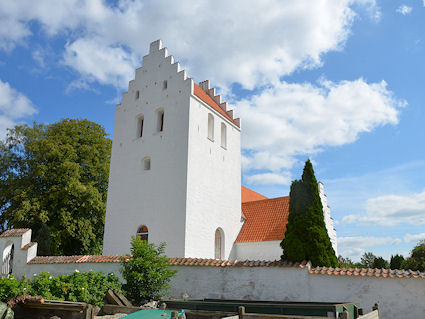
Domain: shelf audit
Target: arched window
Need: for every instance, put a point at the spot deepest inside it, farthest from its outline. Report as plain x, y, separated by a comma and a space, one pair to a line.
160, 120
140, 122
223, 135
147, 163
142, 232
211, 127
8, 253
219, 244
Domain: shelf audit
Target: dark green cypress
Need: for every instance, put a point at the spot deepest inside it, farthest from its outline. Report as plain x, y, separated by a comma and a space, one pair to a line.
306, 237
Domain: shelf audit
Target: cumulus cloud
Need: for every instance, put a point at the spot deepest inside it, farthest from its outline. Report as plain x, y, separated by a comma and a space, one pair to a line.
391, 210
354, 246
292, 119
13, 107
269, 178
404, 9
413, 238
216, 38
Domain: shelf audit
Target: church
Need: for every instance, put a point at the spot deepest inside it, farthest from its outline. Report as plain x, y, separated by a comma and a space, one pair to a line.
175, 173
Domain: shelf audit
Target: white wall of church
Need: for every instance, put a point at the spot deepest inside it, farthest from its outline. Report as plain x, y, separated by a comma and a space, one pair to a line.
259, 250
156, 197
329, 222
214, 183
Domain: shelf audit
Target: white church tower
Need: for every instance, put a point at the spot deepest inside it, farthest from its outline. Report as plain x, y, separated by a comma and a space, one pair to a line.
175, 173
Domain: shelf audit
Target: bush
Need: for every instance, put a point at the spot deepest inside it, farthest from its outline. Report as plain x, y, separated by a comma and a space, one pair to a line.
10, 287
89, 287
146, 271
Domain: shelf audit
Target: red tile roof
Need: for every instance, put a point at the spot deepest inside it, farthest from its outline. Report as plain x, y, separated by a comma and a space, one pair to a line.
29, 245
76, 259
248, 195
235, 263
207, 99
265, 220
367, 272
14, 232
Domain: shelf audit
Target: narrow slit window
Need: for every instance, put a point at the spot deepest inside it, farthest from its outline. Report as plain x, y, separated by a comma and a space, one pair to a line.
147, 163
223, 135
165, 84
210, 127
137, 94
140, 123
160, 123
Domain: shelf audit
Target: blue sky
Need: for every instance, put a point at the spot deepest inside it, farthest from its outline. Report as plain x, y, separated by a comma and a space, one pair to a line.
340, 82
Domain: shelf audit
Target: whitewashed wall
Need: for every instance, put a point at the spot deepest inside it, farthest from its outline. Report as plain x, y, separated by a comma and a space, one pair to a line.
259, 250
329, 222
397, 298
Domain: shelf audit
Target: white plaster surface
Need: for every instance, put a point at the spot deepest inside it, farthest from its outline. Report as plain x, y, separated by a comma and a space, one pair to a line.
329, 222
259, 250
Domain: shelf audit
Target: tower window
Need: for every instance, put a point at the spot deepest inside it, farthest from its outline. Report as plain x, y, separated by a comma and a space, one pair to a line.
147, 163
137, 94
223, 135
140, 122
165, 84
219, 244
160, 121
142, 233
210, 127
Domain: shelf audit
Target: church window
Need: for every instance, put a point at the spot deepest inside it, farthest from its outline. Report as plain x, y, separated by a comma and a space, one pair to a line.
137, 94
211, 127
142, 233
219, 244
147, 163
140, 122
160, 120
223, 135
165, 84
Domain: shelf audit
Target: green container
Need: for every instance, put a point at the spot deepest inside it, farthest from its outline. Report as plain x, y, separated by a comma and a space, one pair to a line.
152, 314
318, 309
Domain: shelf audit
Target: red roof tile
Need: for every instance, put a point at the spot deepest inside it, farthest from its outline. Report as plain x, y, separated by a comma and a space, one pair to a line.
265, 220
14, 232
76, 259
27, 246
367, 272
248, 195
207, 99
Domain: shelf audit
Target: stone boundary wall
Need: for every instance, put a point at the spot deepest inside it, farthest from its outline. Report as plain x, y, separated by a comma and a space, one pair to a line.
399, 293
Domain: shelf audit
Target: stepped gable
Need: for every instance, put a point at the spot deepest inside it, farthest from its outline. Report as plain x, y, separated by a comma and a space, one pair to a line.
248, 195
265, 220
207, 94
17, 232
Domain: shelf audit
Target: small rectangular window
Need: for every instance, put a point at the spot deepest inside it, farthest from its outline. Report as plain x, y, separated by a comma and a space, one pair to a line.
223, 135
165, 85
140, 123
160, 121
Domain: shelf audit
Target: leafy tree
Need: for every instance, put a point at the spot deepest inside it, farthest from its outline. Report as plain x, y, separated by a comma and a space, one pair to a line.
368, 259
306, 236
416, 261
380, 262
53, 179
396, 261
345, 262
146, 271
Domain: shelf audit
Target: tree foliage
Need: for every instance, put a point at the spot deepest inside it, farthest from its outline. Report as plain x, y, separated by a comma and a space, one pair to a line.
416, 261
146, 271
367, 260
306, 236
53, 179
396, 261
380, 262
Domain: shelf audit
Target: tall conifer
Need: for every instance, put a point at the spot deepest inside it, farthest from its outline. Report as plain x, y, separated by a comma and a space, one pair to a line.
306, 237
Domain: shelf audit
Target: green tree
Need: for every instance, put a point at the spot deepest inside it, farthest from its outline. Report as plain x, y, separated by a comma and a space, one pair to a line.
345, 262
53, 179
306, 237
396, 261
380, 262
416, 261
146, 271
367, 260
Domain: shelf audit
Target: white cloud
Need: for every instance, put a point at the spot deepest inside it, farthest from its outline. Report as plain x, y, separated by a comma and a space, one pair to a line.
296, 119
404, 9
354, 246
96, 61
413, 238
13, 107
268, 179
391, 210
216, 38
